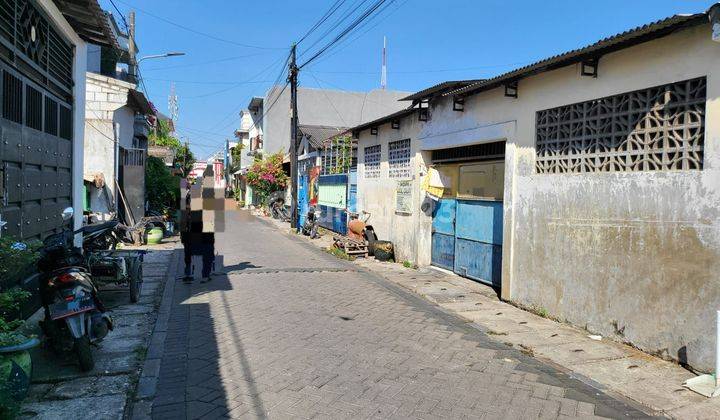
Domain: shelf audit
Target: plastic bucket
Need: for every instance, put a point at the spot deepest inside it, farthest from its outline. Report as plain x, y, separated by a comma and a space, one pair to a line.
154, 236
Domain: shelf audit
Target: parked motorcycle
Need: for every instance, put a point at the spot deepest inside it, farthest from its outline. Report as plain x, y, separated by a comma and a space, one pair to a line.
310, 227
75, 317
106, 264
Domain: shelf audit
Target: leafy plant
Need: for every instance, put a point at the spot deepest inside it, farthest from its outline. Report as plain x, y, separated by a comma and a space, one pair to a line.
10, 301
409, 264
266, 176
162, 135
161, 187
17, 258
339, 253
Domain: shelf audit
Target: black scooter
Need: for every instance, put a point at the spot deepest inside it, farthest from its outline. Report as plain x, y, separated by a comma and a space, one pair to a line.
75, 318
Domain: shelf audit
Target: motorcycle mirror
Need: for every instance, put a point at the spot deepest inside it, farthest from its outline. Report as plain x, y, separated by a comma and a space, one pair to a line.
67, 214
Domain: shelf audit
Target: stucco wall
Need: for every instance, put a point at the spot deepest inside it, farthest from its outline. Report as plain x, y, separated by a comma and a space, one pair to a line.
633, 256
324, 107
106, 104
410, 233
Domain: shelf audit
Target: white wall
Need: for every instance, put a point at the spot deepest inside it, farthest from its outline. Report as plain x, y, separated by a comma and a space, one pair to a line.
410, 233
106, 111
632, 255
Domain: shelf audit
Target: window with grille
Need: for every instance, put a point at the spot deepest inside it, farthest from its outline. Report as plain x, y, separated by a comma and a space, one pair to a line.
399, 158
372, 161
12, 98
655, 129
33, 108
51, 116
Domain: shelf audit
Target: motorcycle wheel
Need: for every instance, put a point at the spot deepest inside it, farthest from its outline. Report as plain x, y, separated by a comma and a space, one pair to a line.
84, 352
134, 280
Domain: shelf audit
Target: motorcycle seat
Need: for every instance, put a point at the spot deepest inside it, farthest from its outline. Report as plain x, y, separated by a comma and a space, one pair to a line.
98, 227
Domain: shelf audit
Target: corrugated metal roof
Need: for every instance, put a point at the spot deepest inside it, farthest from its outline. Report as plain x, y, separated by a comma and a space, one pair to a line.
385, 119
317, 134
89, 21
607, 45
439, 89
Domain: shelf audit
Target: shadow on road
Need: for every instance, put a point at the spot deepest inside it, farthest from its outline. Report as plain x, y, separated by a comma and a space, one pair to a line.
202, 349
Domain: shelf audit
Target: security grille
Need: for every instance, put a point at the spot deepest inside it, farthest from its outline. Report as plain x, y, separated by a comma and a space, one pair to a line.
33, 46
12, 98
51, 117
399, 158
655, 129
372, 161
33, 108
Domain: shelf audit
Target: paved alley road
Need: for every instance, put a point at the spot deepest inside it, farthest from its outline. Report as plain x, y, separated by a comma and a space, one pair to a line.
292, 332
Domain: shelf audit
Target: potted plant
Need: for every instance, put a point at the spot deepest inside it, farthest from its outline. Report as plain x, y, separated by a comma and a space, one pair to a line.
17, 261
15, 362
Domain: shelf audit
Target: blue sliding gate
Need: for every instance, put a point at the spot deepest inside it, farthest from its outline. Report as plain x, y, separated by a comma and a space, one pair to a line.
467, 238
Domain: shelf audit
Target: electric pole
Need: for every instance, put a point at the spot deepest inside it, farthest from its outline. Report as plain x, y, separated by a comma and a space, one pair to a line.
132, 64
292, 76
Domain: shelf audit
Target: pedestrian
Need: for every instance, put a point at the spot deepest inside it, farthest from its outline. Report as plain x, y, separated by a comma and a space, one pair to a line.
198, 224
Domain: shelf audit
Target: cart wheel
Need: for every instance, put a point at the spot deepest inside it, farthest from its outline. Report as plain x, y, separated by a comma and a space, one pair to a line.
135, 280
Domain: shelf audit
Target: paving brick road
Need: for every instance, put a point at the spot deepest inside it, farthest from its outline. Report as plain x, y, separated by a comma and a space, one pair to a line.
292, 332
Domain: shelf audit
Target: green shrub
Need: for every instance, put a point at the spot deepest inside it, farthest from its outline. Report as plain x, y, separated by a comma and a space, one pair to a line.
162, 188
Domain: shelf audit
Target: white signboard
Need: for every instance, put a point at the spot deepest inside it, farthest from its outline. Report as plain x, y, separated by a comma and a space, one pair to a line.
403, 197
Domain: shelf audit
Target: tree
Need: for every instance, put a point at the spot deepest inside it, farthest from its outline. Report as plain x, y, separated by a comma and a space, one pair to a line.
161, 187
266, 176
163, 136
236, 157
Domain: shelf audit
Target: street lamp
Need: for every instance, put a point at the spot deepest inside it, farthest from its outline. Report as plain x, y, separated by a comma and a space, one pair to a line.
170, 54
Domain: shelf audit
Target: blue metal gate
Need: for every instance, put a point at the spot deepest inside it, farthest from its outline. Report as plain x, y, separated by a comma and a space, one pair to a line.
467, 238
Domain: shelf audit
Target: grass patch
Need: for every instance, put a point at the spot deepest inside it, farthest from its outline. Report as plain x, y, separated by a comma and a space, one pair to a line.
409, 264
339, 253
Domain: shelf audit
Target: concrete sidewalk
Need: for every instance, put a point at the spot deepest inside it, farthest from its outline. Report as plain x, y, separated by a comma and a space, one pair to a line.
60, 390
607, 365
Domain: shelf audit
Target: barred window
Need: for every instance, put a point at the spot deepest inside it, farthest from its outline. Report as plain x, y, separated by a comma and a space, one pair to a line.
655, 129
372, 161
399, 158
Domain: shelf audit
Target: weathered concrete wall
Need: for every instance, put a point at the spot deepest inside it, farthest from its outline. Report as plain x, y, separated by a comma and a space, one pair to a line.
634, 256
106, 103
326, 107
410, 233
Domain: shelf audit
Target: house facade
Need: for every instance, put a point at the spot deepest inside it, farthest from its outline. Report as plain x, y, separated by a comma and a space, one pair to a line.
322, 107
43, 70
586, 185
115, 147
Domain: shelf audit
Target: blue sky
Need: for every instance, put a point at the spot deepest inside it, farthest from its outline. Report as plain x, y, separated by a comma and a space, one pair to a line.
429, 41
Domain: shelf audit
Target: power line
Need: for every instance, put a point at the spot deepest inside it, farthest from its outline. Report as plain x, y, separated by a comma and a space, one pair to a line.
344, 44
323, 18
351, 9
207, 35
204, 82
235, 110
368, 12
204, 63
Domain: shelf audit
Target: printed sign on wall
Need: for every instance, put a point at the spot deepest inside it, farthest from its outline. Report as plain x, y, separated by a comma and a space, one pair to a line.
403, 197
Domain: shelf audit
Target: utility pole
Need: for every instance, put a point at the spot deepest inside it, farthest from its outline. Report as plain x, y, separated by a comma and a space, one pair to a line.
293, 74
132, 64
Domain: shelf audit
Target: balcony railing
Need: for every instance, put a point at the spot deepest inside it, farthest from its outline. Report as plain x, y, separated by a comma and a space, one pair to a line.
132, 157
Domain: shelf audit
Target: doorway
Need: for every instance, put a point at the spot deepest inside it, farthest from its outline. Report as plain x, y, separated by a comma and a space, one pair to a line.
467, 228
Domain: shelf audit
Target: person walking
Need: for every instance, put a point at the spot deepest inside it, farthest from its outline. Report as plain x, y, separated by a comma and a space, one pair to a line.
197, 225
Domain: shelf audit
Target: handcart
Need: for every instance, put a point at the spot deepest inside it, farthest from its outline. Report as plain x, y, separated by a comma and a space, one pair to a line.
120, 267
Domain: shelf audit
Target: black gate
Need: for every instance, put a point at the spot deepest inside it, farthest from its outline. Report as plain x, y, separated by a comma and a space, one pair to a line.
36, 124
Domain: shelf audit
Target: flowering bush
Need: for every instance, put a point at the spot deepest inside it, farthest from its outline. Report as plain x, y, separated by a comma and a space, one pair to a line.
266, 176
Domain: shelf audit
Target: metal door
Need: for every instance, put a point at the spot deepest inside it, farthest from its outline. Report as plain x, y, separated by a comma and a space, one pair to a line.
36, 121
443, 234
478, 240
302, 198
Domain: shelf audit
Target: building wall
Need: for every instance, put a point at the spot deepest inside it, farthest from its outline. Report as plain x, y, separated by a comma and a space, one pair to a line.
105, 108
634, 255
410, 233
326, 107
